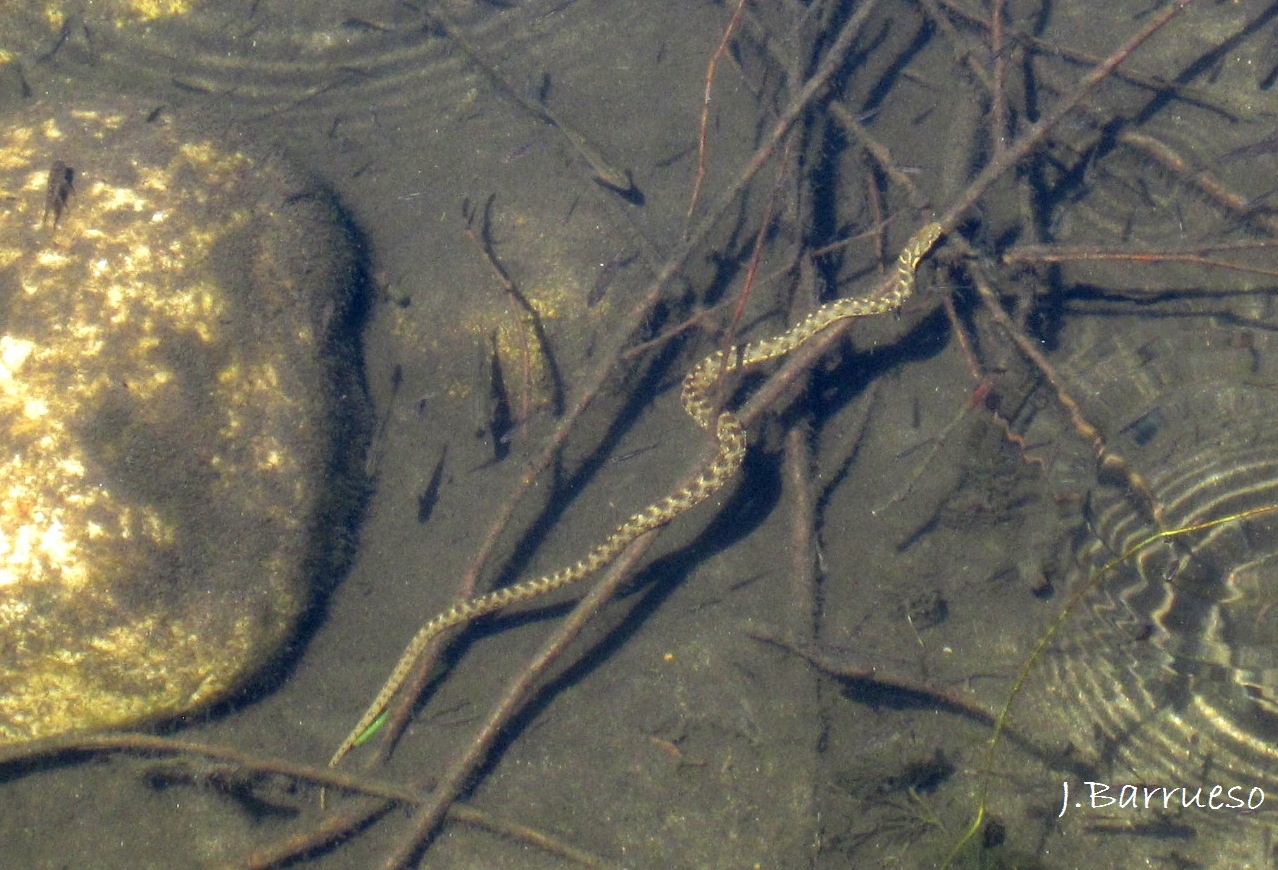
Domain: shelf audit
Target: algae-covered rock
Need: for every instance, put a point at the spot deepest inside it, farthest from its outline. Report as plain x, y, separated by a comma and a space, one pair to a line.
175, 411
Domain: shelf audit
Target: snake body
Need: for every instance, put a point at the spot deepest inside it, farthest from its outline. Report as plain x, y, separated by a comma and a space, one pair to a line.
700, 401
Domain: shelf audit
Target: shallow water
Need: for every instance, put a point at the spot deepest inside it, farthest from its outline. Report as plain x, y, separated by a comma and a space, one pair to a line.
670, 736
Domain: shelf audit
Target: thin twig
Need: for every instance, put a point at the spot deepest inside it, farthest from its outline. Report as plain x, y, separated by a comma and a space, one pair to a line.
22, 753
983, 384
998, 109
880, 153
1055, 254
427, 819
804, 575
867, 672
332, 828
964, 49
1107, 458
526, 318
705, 111
1202, 180
752, 268
524, 834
